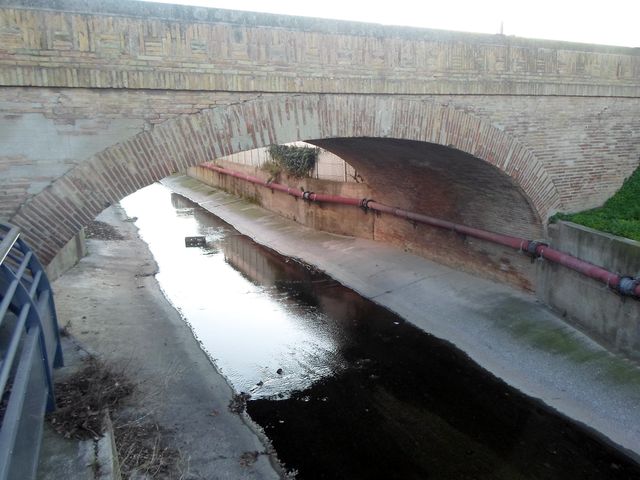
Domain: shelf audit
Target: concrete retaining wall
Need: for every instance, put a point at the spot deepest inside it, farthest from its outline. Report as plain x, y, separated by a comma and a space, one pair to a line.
467, 254
585, 303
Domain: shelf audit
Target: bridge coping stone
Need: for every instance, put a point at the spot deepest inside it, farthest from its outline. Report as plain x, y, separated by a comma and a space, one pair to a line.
188, 13
158, 46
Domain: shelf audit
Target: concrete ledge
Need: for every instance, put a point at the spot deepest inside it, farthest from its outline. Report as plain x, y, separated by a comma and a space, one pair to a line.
67, 257
612, 320
614, 253
107, 453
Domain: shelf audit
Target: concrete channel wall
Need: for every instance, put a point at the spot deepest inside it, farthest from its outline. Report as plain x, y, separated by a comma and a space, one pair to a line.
67, 257
463, 253
612, 320
586, 304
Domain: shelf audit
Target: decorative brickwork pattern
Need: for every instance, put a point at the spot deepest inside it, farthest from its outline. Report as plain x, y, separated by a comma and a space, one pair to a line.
136, 45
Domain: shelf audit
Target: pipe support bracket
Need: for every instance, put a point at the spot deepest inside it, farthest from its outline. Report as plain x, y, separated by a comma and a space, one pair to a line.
627, 285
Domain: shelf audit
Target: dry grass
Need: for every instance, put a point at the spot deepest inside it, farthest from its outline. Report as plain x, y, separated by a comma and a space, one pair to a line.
84, 398
142, 450
83, 401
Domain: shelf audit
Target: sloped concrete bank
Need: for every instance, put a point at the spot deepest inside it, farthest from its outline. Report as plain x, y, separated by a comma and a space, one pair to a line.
506, 331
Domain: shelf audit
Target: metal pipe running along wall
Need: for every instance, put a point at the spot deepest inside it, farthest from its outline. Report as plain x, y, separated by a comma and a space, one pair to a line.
624, 285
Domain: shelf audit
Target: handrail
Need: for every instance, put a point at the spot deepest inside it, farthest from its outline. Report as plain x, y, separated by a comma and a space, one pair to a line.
8, 240
28, 355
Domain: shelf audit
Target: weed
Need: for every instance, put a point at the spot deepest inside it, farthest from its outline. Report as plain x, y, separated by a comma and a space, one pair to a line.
238, 403
65, 330
293, 160
142, 451
83, 400
274, 170
620, 215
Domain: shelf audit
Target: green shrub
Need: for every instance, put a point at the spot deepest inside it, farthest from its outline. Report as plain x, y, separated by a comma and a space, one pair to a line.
293, 160
619, 215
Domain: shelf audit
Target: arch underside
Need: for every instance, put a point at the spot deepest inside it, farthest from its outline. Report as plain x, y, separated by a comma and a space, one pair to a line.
439, 181
436, 160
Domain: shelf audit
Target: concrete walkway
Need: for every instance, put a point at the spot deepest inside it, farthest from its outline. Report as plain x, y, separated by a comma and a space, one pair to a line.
113, 305
506, 331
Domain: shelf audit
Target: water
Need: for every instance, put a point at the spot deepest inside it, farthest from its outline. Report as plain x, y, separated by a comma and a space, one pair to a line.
344, 388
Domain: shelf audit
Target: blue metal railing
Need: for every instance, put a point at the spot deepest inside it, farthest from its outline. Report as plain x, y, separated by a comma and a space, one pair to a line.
29, 350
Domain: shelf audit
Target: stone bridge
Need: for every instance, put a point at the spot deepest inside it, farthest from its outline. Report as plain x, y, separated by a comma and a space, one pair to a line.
99, 99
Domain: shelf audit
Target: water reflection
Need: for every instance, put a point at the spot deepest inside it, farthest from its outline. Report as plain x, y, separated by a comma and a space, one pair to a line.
251, 329
361, 394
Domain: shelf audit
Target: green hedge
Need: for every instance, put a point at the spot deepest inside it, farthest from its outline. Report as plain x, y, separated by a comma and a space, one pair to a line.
619, 215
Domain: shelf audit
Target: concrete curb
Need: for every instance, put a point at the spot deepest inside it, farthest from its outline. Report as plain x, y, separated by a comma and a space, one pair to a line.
106, 453
77, 459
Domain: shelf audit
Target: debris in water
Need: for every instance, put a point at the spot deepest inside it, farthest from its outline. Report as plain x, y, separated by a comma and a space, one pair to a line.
238, 403
199, 241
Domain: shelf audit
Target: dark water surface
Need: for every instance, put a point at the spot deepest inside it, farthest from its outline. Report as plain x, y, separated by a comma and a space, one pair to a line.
344, 388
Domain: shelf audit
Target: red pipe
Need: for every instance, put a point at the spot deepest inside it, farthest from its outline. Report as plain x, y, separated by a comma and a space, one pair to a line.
315, 197
243, 176
624, 285
593, 271
319, 197
506, 240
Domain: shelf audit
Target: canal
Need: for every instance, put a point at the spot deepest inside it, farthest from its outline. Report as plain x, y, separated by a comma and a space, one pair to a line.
344, 388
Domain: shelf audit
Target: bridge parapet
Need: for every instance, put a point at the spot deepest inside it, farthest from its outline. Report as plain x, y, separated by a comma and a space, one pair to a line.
138, 45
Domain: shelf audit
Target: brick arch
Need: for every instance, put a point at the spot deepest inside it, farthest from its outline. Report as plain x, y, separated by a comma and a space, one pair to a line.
56, 214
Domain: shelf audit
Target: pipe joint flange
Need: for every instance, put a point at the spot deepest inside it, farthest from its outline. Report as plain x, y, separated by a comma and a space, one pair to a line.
307, 196
627, 286
364, 203
533, 247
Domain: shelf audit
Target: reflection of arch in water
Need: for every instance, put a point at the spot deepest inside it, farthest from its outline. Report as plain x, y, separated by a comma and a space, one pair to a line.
310, 287
181, 203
